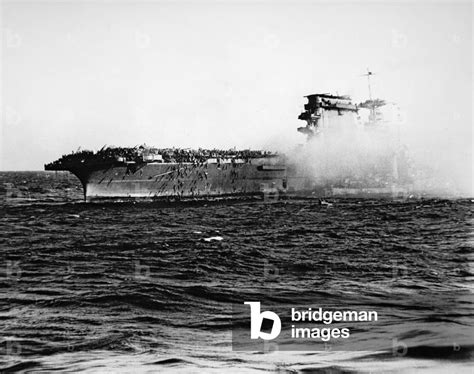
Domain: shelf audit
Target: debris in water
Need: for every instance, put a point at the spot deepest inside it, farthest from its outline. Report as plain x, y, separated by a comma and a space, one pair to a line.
217, 238
323, 202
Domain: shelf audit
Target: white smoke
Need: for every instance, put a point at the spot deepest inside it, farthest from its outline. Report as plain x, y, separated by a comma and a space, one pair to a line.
347, 153
440, 167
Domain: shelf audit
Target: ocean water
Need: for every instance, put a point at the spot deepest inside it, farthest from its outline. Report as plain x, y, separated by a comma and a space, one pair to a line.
150, 288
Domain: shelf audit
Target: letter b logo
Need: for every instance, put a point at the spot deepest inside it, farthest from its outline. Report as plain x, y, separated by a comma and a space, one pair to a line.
256, 319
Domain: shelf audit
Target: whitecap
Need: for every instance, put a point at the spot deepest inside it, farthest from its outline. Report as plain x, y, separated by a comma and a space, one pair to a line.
217, 238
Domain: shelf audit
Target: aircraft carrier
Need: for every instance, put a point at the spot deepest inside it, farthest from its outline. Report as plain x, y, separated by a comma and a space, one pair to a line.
175, 174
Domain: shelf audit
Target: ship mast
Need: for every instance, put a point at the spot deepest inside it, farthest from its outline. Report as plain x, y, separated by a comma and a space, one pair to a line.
369, 73
372, 106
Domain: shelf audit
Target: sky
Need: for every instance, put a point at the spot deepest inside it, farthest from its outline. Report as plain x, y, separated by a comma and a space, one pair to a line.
223, 74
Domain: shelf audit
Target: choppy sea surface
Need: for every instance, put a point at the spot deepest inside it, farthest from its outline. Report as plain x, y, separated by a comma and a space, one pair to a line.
150, 288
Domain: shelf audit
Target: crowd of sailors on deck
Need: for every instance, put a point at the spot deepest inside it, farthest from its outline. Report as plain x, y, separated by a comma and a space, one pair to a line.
202, 155
179, 155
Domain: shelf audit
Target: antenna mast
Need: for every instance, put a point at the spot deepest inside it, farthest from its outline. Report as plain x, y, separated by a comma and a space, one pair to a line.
369, 73
372, 103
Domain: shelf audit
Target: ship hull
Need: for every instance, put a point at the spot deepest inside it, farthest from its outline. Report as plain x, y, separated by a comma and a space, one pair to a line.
180, 181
